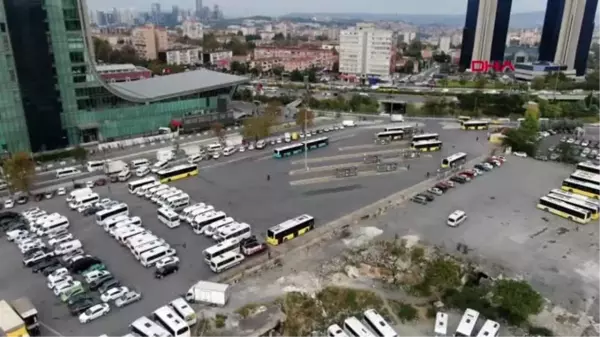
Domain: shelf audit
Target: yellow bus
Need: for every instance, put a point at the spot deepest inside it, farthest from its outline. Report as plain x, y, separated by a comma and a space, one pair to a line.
582, 188
426, 145
290, 229
10, 323
454, 160
475, 125
592, 208
564, 210
177, 172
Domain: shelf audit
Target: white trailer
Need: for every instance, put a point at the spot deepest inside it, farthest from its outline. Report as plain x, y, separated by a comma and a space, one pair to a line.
208, 292
234, 140
114, 167
164, 155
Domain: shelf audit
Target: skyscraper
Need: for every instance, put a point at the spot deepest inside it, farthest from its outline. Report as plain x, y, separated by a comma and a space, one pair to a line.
567, 33
199, 9
485, 31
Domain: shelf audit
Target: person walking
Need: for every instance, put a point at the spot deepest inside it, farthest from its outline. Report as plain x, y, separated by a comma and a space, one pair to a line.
268, 177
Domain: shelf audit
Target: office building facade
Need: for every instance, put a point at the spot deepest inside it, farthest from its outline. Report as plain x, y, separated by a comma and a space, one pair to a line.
54, 98
485, 31
366, 51
567, 33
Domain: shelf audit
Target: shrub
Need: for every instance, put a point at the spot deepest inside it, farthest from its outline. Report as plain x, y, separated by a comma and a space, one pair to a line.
406, 312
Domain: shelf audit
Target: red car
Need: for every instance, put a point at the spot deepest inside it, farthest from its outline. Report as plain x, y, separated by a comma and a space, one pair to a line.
468, 174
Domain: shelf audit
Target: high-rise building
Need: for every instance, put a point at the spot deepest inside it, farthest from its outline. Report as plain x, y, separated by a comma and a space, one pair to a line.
155, 13
53, 97
192, 29
485, 31
567, 33
148, 40
444, 44
366, 51
199, 9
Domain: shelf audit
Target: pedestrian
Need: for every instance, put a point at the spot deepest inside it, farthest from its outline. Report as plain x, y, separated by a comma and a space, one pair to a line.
477, 139
269, 254
427, 175
408, 167
268, 177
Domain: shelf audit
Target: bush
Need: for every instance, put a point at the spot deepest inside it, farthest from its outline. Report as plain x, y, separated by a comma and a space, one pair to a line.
405, 312
539, 331
220, 321
470, 297
516, 300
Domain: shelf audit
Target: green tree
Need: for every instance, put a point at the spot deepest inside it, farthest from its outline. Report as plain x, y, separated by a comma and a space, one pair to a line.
443, 82
441, 274
239, 68
524, 138
277, 71
19, 170
567, 153
480, 82
210, 42
549, 110
538, 83
79, 153
278, 37
516, 299
257, 127
462, 81
304, 117
219, 131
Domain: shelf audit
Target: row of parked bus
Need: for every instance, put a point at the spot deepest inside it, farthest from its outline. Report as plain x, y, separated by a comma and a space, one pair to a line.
352, 326
577, 200
425, 142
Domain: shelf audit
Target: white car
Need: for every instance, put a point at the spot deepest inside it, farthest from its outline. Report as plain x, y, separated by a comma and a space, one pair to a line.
520, 154
58, 273
58, 280
37, 244
63, 287
113, 293
9, 203
435, 190
63, 238
94, 312
585, 143
61, 191
570, 141
89, 183
251, 146
94, 275
242, 149
166, 260
216, 155
17, 234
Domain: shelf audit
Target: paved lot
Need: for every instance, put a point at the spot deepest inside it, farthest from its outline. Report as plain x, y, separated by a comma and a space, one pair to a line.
509, 235
237, 186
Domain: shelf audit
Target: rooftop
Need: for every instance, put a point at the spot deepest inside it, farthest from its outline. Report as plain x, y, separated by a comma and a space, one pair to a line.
181, 84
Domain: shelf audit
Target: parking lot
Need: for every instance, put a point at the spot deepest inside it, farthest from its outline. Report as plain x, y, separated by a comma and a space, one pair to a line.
237, 186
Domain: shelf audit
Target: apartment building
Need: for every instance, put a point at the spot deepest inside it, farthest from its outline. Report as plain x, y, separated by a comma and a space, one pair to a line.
294, 58
218, 58
181, 55
148, 40
366, 51
192, 29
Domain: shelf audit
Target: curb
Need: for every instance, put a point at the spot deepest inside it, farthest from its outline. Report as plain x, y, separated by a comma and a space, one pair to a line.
327, 231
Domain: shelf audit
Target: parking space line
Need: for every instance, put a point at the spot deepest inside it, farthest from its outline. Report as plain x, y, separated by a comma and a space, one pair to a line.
51, 329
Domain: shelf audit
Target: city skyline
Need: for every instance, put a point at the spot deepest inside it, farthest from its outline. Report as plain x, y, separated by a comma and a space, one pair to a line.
236, 8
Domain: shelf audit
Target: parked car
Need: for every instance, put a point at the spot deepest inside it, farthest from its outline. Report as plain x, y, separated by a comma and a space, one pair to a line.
22, 200
100, 182
166, 270
94, 312
458, 179
61, 191
80, 306
108, 284
112, 294
95, 284
40, 267
128, 298
37, 257
435, 190
419, 199
167, 261
427, 197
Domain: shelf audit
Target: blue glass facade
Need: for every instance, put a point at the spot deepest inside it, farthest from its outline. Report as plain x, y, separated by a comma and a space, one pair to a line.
468, 40
585, 37
551, 30
500, 30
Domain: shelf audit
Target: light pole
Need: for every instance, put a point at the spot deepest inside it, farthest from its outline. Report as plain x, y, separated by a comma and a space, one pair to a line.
306, 122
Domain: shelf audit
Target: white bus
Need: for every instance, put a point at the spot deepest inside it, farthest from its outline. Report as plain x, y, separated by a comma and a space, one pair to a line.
467, 323
206, 219
179, 202
149, 258
120, 209
134, 185
441, 324
356, 328
334, 330
231, 245
137, 163
95, 165
139, 250
111, 223
243, 231
378, 324
174, 324
162, 200
489, 329
66, 172
589, 167
587, 177
122, 236
186, 211
168, 217
158, 195
54, 225
193, 214
138, 240
84, 201
144, 327
576, 196
151, 191
226, 261
211, 229
183, 309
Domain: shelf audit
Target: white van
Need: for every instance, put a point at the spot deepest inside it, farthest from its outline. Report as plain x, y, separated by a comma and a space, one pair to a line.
205, 219
66, 172
193, 214
168, 217
348, 123
225, 261
84, 201
211, 229
186, 211
228, 151
214, 147
137, 163
287, 137
142, 171
122, 221
122, 236
261, 144
140, 240
194, 158
163, 200
243, 231
150, 192
149, 258
79, 192
53, 225
141, 249
156, 198
159, 165
456, 218
142, 190
67, 247
124, 175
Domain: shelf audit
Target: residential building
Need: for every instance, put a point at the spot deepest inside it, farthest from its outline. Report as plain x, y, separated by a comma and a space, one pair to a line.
294, 58
406, 37
218, 58
181, 56
122, 72
192, 29
366, 51
445, 44
53, 97
148, 40
485, 31
567, 33
528, 71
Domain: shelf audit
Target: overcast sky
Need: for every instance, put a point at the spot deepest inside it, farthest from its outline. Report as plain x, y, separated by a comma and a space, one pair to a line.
280, 7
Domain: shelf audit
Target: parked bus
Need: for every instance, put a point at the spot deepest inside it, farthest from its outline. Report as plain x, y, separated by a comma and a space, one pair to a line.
120, 209
441, 324
221, 248
390, 135
576, 196
290, 229
427, 145
591, 207
463, 118
141, 191
225, 261
467, 323
425, 136
149, 258
290, 150
174, 324
134, 185
67, 171
564, 210
583, 188
334, 330
588, 167
95, 165
356, 328
454, 160
586, 177
474, 125
168, 217
378, 324
177, 172
407, 128
179, 202
183, 309
144, 327
489, 329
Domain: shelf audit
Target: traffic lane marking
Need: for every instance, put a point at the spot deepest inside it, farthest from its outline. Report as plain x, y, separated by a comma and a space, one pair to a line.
51, 329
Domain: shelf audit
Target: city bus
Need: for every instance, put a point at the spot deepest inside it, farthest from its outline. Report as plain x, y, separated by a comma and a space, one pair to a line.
290, 229
174, 324
582, 188
426, 145
588, 167
95, 165
591, 207
390, 135
134, 185
467, 323
454, 160
316, 143
586, 177
288, 150
576, 196
145, 327
177, 172
474, 125
425, 136
407, 128
378, 324
564, 210
114, 211
489, 329
356, 328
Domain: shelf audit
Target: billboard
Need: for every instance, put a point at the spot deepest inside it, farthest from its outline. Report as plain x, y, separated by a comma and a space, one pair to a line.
481, 66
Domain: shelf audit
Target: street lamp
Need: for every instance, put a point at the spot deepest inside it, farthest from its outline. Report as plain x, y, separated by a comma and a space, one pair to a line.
306, 122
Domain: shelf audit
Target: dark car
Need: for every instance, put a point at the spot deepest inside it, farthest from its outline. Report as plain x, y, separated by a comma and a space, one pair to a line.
427, 196
166, 270
78, 298
22, 200
458, 179
419, 199
82, 305
442, 187
95, 284
51, 269
480, 167
38, 197
108, 285
40, 267
91, 211
102, 182
84, 263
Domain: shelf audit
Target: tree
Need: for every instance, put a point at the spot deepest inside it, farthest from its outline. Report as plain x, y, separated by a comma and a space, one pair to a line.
517, 299
257, 127
219, 131
525, 137
278, 37
239, 68
462, 80
441, 274
480, 82
304, 117
209, 42
533, 110
567, 153
273, 110
19, 170
277, 71
538, 83
79, 153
